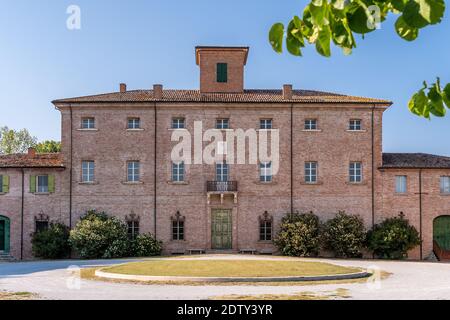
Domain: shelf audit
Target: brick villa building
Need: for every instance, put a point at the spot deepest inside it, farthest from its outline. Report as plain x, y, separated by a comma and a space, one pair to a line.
116, 157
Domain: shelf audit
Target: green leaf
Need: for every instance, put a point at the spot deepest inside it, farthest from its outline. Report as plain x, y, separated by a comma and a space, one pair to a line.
324, 41
436, 103
418, 103
276, 37
319, 14
294, 39
338, 4
420, 13
446, 95
358, 18
399, 5
405, 31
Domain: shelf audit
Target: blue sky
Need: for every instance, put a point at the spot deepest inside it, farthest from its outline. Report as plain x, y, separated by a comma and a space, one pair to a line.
145, 42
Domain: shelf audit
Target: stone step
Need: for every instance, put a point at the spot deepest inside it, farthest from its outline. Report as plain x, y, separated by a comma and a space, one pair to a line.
4, 257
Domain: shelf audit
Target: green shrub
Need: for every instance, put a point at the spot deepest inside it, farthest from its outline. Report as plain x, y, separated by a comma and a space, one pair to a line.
145, 245
299, 235
52, 243
344, 235
97, 235
393, 238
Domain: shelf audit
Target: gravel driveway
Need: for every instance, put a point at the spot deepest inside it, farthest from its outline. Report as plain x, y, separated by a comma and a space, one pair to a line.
52, 280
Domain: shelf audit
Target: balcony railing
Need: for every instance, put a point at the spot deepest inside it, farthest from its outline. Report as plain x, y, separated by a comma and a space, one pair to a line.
222, 186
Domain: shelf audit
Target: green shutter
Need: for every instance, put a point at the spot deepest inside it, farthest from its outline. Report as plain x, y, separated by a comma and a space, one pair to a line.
7, 235
222, 72
51, 183
5, 184
32, 184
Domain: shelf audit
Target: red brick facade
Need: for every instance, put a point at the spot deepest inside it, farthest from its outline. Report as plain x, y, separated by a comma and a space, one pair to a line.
111, 145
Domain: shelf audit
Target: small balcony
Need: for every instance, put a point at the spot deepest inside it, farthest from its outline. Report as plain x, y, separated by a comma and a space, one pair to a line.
221, 188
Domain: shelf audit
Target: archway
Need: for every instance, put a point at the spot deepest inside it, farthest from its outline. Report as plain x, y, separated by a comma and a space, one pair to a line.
4, 234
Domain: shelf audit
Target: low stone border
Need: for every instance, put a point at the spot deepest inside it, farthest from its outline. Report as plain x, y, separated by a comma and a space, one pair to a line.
117, 276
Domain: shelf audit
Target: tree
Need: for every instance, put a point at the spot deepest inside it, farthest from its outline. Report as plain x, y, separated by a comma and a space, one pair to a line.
337, 21
12, 141
48, 146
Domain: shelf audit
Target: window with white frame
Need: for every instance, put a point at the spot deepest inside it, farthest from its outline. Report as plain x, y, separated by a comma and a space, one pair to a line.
265, 124
311, 172
133, 229
88, 123
87, 168
178, 123
265, 227
42, 183
222, 172
265, 174
445, 184
178, 171
311, 124
223, 123
355, 125
355, 172
401, 184
133, 171
134, 123
178, 227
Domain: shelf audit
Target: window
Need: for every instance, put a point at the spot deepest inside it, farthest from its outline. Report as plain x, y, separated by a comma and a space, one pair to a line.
42, 184
133, 174
178, 171
222, 72
310, 172
355, 125
222, 172
355, 172
134, 123
310, 124
445, 185
133, 229
265, 171
265, 227
88, 123
265, 124
1, 184
400, 184
87, 168
222, 123
178, 123
178, 227
41, 225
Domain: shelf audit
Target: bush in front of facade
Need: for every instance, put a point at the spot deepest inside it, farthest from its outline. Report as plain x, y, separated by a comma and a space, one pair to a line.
299, 235
344, 235
145, 245
52, 243
393, 238
97, 235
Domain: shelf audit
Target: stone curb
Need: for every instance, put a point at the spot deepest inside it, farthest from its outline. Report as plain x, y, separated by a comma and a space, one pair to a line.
358, 275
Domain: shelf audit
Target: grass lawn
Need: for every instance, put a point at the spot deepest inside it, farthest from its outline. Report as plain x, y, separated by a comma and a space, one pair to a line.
229, 268
16, 296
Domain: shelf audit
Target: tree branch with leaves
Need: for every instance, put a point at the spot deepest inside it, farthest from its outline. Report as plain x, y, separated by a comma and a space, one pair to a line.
338, 21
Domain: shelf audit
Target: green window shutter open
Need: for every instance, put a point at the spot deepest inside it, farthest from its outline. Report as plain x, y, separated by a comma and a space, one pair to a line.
5, 184
222, 72
32, 184
51, 183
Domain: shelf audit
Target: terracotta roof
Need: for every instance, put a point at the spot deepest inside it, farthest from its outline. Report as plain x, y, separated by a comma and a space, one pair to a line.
42, 160
415, 160
255, 96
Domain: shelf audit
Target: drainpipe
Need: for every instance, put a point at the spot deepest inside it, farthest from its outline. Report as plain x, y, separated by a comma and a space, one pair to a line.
373, 167
70, 170
420, 212
22, 214
154, 168
292, 159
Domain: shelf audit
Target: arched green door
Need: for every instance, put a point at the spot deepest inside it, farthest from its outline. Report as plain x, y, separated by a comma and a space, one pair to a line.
441, 232
4, 234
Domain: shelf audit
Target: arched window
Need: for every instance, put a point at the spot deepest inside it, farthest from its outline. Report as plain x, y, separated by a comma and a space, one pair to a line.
178, 226
133, 225
265, 227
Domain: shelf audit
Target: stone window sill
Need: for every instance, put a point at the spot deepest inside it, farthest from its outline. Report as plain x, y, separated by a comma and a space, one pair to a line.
181, 183
42, 193
265, 241
317, 183
88, 130
132, 183
445, 194
2, 193
135, 130
356, 183
362, 130
88, 183
176, 129
273, 129
266, 182
312, 130
402, 194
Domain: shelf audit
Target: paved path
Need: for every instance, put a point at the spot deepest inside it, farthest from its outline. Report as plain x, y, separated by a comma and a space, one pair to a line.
52, 280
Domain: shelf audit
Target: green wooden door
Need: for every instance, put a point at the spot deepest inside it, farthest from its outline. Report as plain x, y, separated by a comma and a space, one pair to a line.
441, 232
4, 234
221, 229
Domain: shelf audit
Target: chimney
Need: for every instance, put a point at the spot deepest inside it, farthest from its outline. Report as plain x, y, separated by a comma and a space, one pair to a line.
287, 91
31, 152
157, 91
123, 87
